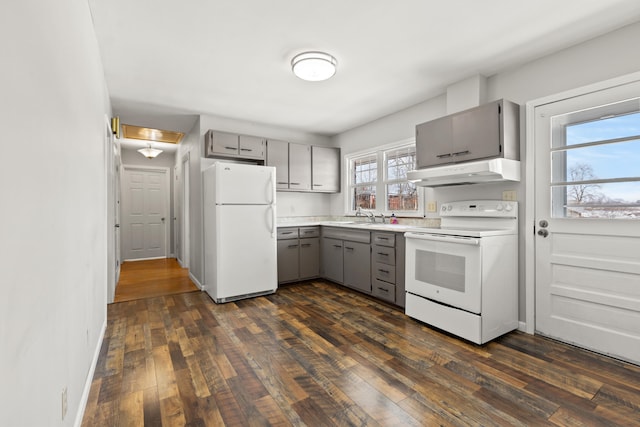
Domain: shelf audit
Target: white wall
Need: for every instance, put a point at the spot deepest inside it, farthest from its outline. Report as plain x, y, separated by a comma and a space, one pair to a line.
54, 191
598, 59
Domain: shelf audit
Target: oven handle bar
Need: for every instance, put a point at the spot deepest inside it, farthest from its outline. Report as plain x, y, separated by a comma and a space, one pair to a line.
443, 238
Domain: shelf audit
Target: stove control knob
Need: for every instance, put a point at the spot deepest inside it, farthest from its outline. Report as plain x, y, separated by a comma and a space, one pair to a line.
499, 208
449, 207
443, 208
508, 208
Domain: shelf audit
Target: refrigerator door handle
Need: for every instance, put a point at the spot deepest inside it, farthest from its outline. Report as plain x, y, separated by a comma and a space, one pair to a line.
273, 220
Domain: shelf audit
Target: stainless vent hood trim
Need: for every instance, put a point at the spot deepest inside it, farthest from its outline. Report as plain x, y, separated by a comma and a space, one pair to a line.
493, 170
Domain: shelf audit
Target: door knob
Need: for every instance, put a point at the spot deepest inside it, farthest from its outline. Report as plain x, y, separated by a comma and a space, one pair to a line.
117, 226
543, 232
543, 223
162, 219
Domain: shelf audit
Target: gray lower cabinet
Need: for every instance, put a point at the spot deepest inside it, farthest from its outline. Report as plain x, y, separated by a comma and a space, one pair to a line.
387, 267
332, 259
309, 258
346, 257
357, 266
298, 253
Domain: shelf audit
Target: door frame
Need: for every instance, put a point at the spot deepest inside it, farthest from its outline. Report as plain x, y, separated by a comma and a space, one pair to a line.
167, 199
185, 209
529, 214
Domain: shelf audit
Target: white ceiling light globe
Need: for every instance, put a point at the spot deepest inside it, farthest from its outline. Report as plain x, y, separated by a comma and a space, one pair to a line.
314, 66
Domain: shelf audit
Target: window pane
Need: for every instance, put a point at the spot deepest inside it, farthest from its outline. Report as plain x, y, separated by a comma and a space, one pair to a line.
364, 197
399, 162
402, 196
620, 200
616, 160
604, 129
365, 170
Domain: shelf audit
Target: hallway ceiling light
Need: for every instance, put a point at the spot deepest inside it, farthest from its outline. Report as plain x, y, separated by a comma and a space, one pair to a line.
314, 66
149, 152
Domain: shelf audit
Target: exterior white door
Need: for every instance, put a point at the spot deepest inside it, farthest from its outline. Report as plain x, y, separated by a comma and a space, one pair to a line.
587, 220
144, 213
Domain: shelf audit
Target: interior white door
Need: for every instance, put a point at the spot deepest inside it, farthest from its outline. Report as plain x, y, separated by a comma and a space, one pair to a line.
587, 222
144, 213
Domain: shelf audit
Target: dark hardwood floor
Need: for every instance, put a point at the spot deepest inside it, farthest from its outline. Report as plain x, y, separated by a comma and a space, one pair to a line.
318, 354
152, 278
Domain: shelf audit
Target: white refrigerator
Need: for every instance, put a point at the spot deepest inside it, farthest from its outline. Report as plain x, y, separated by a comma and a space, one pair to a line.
240, 249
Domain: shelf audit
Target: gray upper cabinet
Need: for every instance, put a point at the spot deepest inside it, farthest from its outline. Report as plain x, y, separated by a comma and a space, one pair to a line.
325, 169
299, 167
251, 147
278, 156
221, 143
488, 131
226, 144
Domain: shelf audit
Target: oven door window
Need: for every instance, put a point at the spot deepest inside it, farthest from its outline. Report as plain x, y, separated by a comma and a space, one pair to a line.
442, 270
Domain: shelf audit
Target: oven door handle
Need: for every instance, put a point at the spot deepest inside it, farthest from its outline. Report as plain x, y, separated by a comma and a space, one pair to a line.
444, 238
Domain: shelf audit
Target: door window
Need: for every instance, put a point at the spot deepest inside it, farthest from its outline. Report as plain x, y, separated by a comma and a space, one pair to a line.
595, 155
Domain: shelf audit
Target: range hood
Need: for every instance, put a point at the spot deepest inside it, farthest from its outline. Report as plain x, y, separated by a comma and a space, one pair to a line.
476, 172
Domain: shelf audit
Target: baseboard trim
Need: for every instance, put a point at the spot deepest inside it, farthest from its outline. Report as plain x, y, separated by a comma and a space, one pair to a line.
194, 280
92, 370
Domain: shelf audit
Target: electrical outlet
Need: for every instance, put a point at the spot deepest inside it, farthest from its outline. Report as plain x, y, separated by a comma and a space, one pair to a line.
432, 206
509, 195
64, 403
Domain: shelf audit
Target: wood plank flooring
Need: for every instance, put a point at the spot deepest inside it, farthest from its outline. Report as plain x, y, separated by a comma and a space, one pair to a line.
152, 278
317, 354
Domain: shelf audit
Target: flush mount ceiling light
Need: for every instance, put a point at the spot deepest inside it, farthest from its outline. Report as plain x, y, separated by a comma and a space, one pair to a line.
149, 152
150, 134
314, 66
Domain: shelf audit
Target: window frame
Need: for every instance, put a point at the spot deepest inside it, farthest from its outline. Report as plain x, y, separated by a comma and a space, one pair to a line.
382, 180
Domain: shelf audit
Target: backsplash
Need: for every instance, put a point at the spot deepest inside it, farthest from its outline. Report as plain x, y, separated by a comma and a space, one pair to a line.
418, 222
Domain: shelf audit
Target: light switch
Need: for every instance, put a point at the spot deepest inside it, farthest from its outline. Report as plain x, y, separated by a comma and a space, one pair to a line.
432, 206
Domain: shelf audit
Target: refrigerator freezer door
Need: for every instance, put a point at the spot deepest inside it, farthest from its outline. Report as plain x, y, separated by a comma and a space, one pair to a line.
243, 184
240, 252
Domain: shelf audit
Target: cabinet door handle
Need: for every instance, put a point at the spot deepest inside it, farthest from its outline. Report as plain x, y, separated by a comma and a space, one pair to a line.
383, 289
287, 232
285, 183
309, 232
383, 238
461, 153
231, 148
442, 156
383, 254
383, 271
294, 183
246, 149
305, 245
348, 248
317, 185
337, 246
292, 246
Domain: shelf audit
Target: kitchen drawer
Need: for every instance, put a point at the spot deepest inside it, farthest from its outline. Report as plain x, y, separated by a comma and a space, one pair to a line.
384, 254
384, 239
384, 290
287, 233
385, 272
305, 232
350, 234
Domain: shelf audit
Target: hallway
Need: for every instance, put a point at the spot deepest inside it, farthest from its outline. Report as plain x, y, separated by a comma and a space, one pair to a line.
152, 278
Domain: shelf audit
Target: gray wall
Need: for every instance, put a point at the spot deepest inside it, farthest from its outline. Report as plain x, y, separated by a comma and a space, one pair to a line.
596, 60
53, 183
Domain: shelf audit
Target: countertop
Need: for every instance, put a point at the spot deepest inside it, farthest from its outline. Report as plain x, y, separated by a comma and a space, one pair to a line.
400, 228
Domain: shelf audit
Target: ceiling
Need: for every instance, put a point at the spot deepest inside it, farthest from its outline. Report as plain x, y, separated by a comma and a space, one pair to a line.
167, 61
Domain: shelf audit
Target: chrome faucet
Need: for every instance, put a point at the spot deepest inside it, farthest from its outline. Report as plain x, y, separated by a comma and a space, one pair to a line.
368, 214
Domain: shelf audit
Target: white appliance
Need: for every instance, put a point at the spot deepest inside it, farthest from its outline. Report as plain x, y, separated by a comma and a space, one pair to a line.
239, 231
492, 170
463, 276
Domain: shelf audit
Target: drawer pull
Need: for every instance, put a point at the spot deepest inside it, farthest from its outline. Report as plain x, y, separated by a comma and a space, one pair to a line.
309, 231
383, 254
305, 245
231, 148
292, 246
383, 238
287, 232
285, 183
246, 149
383, 271
294, 183
337, 246
383, 289
442, 156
